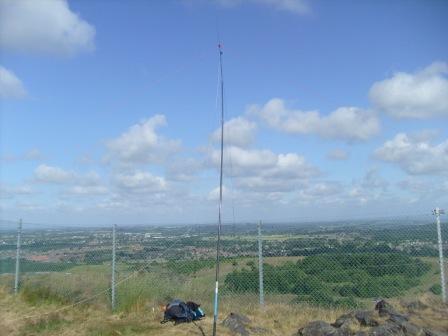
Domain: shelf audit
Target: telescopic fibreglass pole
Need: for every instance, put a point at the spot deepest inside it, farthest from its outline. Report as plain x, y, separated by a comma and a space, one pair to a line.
17, 274
215, 307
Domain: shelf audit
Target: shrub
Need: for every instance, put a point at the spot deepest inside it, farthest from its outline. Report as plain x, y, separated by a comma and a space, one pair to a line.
335, 279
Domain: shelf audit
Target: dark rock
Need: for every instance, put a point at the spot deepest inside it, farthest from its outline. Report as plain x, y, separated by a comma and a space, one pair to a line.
237, 324
366, 318
384, 308
388, 329
342, 319
318, 328
258, 330
411, 329
429, 332
398, 318
361, 333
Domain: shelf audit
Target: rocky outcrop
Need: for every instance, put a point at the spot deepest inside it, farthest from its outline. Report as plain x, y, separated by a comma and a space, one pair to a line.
241, 325
318, 328
383, 321
237, 324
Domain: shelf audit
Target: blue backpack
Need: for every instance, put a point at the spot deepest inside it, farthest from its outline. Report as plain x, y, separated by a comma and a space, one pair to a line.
178, 311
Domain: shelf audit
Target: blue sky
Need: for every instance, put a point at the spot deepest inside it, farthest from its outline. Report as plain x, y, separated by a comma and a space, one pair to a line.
108, 109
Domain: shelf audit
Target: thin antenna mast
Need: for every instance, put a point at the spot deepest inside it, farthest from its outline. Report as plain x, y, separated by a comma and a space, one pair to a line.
215, 311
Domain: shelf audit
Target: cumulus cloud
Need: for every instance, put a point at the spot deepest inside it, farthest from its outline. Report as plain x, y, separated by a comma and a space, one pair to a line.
337, 154
415, 155
321, 192
425, 190
244, 160
44, 26
10, 191
237, 131
324, 189
87, 190
371, 187
345, 123
416, 185
49, 174
213, 195
293, 6
139, 182
184, 169
373, 180
422, 94
11, 87
56, 175
255, 169
141, 143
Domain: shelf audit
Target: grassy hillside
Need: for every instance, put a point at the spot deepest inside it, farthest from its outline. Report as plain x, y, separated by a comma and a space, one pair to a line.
20, 318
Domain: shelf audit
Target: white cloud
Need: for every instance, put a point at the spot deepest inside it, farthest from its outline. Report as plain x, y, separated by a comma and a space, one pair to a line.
241, 160
8, 191
213, 195
50, 174
44, 26
324, 189
373, 180
139, 182
345, 123
422, 94
416, 185
255, 169
372, 187
337, 154
321, 192
11, 87
56, 175
237, 131
141, 143
184, 169
415, 155
294, 6
87, 190
425, 190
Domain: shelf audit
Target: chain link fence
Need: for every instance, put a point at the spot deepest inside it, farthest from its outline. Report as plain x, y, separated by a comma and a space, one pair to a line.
326, 264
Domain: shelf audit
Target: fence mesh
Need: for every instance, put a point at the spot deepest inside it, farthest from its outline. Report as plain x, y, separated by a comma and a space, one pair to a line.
344, 263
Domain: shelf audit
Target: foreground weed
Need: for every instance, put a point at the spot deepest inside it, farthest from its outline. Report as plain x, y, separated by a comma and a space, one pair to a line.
44, 325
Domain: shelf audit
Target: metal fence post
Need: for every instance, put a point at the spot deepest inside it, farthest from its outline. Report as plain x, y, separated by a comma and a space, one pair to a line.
16, 279
437, 212
113, 267
260, 266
